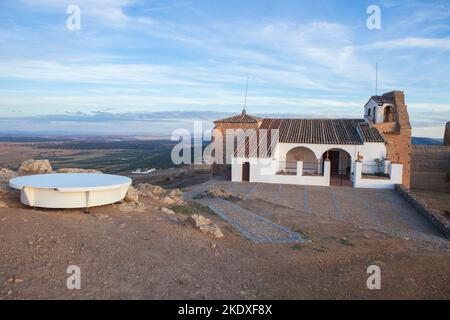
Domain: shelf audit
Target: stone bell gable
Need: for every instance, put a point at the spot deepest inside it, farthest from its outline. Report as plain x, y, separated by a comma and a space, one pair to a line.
389, 114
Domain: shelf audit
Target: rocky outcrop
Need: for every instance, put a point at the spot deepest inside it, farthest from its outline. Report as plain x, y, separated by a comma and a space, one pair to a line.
132, 195
205, 225
77, 170
149, 190
158, 194
35, 167
167, 211
6, 175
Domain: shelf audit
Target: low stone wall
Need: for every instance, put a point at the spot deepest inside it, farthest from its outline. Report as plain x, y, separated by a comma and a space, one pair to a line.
439, 221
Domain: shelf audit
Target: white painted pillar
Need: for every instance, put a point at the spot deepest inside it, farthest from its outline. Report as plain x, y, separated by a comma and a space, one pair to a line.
236, 170
327, 171
358, 172
352, 171
387, 165
299, 168
319, 166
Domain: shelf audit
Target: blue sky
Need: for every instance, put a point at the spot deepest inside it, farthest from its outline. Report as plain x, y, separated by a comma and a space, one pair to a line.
303, 58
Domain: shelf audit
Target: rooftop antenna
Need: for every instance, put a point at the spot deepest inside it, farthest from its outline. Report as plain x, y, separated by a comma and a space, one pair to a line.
376, 79
244, 111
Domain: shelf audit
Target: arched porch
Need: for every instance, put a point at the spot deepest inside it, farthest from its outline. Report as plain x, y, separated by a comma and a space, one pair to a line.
341, 166
310, 163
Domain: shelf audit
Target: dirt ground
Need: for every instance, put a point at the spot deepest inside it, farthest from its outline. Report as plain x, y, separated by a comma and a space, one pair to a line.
151, 255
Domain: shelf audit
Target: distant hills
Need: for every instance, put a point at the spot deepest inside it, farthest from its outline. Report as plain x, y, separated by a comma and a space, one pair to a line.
47, 137
427, 141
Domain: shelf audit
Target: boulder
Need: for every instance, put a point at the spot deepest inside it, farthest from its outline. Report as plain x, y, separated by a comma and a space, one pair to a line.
167, 211
159, 194
175, 193
6, 175
149, 190
35, 167
77, 170
168, 200
205, 225
3, 204
132, 195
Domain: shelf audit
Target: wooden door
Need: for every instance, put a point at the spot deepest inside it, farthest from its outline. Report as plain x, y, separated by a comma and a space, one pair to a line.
246, 171
334, 159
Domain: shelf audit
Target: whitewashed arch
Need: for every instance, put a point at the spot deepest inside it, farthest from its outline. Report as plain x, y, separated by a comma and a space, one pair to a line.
301, 148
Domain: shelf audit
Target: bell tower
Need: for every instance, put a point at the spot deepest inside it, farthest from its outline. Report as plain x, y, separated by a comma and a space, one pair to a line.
389, 114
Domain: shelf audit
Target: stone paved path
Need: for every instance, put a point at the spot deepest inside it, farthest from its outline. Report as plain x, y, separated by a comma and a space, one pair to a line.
251, 225
381, 210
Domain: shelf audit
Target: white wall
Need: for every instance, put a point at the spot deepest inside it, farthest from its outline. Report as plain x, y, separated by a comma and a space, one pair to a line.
266, 172
396, 174
379, 113
369, 151
371, 105
261, 170
236, 170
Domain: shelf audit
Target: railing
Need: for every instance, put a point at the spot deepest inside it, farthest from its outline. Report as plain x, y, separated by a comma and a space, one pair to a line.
312, 168
287, 168
292, 167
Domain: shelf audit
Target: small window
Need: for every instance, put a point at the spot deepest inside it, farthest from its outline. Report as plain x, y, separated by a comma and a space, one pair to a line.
369, 112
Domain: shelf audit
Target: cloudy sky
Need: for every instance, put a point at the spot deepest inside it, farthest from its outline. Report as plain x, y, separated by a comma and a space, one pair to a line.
149, 66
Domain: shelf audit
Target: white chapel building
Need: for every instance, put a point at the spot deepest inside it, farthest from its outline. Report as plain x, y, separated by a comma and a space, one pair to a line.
363, 153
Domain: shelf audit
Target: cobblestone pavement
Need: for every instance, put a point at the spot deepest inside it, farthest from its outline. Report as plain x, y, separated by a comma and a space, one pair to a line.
381, 210
251, 225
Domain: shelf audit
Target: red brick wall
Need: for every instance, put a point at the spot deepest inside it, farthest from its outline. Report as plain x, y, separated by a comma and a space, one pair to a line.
398, 135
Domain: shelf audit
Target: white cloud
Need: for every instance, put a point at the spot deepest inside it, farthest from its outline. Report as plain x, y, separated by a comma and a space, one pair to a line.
110, 12
424, 43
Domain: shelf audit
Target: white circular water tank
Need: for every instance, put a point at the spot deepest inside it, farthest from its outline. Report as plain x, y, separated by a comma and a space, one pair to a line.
71, 190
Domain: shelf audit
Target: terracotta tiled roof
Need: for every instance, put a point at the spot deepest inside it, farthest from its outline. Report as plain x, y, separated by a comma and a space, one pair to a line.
240, 118
369, 134
383, 99
314, 131
322, 131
